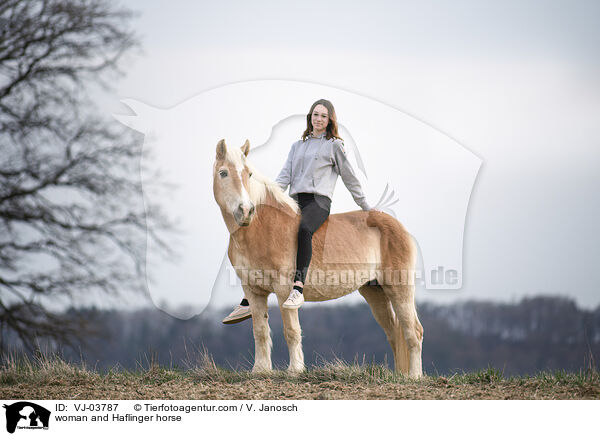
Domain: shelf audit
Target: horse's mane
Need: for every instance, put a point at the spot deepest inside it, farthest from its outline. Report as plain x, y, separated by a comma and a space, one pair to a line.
260, 186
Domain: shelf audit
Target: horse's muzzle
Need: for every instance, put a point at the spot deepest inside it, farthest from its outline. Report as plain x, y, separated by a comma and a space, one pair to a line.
243, 214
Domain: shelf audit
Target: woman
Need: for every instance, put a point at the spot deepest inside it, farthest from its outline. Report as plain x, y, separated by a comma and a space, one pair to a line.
311, 171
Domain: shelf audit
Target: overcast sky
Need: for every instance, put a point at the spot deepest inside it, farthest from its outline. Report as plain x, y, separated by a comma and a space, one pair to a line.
515, 82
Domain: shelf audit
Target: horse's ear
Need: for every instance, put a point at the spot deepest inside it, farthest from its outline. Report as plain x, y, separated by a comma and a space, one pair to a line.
246, 148
221, 149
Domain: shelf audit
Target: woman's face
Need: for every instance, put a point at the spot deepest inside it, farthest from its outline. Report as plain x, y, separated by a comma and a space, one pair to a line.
320, 118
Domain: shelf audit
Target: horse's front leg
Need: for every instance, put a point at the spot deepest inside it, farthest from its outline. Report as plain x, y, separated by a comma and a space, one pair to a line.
261, 330
293, 336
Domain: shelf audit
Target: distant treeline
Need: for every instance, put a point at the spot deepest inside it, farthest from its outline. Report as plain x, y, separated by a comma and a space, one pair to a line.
542, 333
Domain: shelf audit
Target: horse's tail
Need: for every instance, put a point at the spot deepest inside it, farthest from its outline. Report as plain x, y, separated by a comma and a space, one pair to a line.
399, 253
398, 249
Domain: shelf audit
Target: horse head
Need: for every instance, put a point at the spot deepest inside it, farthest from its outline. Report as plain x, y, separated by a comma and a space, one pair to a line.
231, 175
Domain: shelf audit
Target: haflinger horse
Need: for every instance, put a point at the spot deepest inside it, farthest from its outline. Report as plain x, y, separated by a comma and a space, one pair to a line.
369, 251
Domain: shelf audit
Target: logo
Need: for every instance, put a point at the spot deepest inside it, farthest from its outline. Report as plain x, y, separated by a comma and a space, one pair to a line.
430, 173
26, 415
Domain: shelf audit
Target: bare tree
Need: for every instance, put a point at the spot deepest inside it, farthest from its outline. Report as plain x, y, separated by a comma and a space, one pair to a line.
72, 221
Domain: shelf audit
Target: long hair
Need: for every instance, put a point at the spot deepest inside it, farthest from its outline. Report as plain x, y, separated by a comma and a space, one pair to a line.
332, 126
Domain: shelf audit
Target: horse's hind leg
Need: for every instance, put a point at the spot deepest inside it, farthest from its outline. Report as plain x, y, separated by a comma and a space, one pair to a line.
293, 336
384, 315
261, 330
402, 298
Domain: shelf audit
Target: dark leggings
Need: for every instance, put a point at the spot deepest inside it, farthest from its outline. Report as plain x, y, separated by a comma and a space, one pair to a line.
314, 211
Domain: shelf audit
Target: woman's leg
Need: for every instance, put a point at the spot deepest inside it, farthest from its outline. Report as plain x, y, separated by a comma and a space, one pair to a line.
313, 216
314, 213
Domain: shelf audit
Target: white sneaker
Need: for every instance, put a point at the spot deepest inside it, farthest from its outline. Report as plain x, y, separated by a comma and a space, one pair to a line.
239, 314
294, 301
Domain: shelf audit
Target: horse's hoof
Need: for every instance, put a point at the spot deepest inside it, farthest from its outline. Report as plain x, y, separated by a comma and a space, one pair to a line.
296, 370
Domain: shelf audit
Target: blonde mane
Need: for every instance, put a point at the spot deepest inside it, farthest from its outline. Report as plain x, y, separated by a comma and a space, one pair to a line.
259, 186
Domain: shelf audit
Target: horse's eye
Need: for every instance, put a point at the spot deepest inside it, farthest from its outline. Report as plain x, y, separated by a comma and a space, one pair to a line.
250, 175
223, 173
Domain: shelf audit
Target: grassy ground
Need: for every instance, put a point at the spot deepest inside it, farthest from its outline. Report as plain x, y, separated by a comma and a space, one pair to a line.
52, 378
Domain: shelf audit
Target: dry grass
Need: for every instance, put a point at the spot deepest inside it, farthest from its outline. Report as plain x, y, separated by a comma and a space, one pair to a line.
50, 377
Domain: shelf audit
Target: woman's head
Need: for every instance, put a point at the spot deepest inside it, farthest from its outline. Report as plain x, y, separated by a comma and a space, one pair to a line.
322, 111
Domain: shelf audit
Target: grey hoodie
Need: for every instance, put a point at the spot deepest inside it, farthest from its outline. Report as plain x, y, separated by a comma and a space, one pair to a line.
313, 166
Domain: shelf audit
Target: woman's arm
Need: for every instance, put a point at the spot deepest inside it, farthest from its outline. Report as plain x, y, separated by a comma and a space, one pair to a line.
285, 175
345, 170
